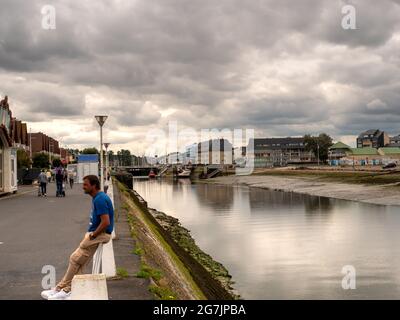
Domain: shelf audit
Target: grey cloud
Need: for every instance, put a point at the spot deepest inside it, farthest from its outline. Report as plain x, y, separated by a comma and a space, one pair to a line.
201, 58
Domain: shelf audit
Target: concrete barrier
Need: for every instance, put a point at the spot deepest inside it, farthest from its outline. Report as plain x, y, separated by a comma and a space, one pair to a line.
110, 193
97, 259
94, 286
106, 264
108, 260
89, 287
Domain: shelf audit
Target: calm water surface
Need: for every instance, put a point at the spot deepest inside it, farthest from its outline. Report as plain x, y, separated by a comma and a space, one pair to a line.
280, 245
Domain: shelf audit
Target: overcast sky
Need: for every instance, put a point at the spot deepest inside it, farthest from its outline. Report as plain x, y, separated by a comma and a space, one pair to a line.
281, 67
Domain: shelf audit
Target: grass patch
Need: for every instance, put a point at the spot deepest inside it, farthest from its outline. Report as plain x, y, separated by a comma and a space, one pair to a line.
146, 272
122, 272
125, 206
138, 251
162, 293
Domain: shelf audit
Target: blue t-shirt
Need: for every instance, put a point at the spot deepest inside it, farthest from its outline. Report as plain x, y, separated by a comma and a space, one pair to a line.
101, 204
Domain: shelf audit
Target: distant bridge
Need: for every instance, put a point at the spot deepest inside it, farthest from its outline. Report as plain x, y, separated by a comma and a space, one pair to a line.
140, 171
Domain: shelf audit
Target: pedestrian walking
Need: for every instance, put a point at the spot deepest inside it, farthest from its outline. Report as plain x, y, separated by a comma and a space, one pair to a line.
71, 178
48, 175
59, 181
106, 185
100, 228
43, 183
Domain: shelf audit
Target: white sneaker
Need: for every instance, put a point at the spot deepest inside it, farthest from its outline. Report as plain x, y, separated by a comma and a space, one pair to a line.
61, 295
48, 293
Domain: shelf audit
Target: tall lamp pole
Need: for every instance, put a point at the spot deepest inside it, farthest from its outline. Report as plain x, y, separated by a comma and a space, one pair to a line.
50, 145
101, 120
106, 145
30, 147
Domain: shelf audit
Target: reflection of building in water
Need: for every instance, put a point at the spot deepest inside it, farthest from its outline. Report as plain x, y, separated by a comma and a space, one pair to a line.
216, 197
313, 204
261, 198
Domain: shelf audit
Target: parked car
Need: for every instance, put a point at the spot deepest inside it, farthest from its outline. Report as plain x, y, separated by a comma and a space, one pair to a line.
390, 166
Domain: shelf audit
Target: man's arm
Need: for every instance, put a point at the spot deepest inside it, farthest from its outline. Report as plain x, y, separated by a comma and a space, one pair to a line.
104, 223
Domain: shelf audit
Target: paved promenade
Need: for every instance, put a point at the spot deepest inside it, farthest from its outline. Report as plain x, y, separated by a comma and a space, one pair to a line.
36, 231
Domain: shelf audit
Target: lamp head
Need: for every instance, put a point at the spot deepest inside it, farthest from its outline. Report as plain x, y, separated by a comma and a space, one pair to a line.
101, 120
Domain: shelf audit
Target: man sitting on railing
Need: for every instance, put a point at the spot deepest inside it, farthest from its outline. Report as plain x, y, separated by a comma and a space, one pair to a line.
100, 229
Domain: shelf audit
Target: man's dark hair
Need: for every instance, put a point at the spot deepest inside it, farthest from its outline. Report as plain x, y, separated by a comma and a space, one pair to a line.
93, 180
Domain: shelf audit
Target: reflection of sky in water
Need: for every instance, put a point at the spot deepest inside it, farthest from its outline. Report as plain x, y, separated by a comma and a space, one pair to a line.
284, 245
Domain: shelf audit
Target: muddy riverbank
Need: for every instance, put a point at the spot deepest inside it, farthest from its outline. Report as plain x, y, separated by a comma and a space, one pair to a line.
382, 194
165, 245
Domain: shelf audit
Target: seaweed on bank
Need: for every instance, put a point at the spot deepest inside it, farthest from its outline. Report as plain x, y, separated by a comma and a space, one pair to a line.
182, 237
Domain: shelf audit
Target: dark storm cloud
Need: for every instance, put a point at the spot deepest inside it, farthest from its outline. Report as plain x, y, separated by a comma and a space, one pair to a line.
284, 67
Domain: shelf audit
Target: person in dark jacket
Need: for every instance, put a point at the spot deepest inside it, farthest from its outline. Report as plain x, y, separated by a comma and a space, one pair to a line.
59, 180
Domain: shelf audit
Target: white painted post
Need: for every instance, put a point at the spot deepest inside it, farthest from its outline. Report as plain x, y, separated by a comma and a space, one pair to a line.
104, 255
108, 261
97, 258
89, 287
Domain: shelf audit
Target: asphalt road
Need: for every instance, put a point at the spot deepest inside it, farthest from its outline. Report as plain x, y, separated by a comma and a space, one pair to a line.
35, 232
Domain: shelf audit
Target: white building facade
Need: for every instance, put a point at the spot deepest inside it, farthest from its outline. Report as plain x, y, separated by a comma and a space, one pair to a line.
8, 154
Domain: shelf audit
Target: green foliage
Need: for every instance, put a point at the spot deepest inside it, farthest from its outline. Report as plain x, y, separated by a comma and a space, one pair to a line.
124, 157
122, 272
23, 160
318, 145
125, 206
90, 151
56, 162
162, 293
146, 272
40, 160
138, 251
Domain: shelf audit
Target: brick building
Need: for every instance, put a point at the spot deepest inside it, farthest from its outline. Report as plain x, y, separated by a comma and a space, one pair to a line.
43, 143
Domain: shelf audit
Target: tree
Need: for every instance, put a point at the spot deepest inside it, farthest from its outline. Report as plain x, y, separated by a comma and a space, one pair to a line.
40, 160
111, 157
124, 157
323, 142
23, 160
56, 162
90, 151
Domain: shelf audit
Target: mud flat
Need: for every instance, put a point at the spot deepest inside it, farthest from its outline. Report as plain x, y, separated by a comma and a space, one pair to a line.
382, 194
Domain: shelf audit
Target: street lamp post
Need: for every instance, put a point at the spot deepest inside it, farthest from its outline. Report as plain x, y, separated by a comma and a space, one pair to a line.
101, 120
50, 145
30, 147
106, 145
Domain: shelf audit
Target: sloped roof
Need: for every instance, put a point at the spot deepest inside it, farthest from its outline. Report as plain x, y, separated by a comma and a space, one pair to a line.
390, 150
374, 132
340, 145
364, 151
